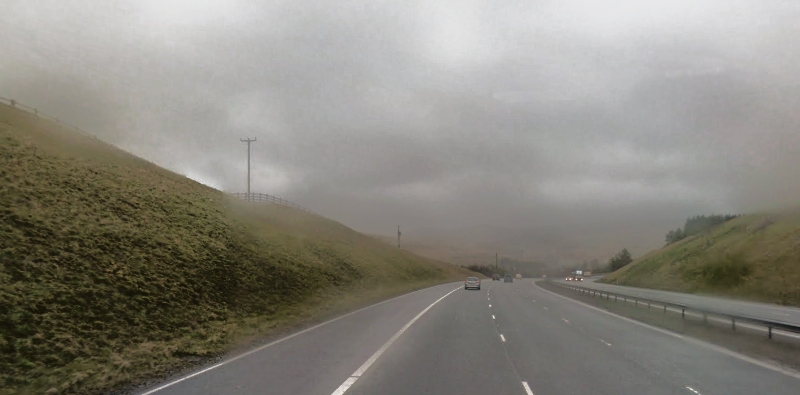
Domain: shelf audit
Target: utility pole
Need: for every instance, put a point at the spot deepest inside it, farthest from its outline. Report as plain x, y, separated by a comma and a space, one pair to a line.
398, 236
248, 141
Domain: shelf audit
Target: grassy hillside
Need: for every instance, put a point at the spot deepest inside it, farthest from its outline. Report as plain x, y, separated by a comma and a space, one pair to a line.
113, 269
752, 257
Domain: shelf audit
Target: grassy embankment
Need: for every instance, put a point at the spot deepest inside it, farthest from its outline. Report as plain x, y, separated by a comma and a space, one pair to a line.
754, 257
113, 270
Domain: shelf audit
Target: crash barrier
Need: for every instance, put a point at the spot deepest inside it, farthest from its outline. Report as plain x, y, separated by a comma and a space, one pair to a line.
705, 313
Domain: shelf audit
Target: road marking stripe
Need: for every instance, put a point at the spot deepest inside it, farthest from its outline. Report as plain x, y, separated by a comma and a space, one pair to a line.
688, 339
605, 342
527, 388
345, 386
545, 307
565, 320
490, 305
503, 338
693, 390
363, 368
255, 350
184, 378
493, 317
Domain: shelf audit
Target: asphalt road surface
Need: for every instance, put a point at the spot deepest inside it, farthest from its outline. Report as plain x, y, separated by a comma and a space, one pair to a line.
765, 311
507, 338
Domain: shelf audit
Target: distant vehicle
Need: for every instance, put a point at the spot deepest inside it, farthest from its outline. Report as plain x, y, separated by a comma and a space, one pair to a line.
508, 279
495, 277
472, 283
587, 274
519, 276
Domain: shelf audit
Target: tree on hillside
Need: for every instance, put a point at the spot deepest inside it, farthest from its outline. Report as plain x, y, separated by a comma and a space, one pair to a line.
696, 225
619, 260
674, 236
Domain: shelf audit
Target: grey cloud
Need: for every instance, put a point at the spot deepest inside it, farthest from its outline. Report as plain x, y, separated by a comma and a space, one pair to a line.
437, 113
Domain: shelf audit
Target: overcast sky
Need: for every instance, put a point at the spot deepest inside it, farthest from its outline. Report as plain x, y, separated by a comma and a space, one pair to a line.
435, 113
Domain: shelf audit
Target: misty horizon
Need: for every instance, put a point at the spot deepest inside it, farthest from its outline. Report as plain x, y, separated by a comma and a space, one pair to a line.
623, 118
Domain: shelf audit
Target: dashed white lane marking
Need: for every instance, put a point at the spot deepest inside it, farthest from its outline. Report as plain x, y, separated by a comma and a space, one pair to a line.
527, 388
545, 307
493, 317
700, 343
358, 373
565, 320
605, 342
345, 386
503, 338
490, 305
693, 390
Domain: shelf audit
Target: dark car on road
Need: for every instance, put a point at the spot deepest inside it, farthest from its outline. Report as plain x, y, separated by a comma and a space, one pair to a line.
508, 279
495, 277
472, 283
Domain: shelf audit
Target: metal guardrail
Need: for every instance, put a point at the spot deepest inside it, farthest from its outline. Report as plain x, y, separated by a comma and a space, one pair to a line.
265, 197
734, 319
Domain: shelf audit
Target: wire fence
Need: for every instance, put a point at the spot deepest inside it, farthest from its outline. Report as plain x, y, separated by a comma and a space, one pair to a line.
252, 197
37, 114
267, 198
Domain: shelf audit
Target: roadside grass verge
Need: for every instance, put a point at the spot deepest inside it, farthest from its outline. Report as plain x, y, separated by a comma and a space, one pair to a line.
114, 271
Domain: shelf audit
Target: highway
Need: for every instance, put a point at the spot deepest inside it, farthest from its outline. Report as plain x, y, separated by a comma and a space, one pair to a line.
507, 338
765, 311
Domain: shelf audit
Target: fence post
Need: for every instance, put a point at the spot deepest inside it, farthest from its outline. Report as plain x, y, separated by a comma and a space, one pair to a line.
733, 323
13, 103
683, 312
770, 332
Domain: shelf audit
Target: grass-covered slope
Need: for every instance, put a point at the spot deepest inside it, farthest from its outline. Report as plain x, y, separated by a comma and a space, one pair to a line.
753, 257
113, 269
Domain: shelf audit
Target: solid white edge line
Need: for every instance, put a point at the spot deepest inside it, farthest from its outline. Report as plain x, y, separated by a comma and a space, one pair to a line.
527, 388
171, 383
182, 379
345, 386
363, 368
701, 343
693, 390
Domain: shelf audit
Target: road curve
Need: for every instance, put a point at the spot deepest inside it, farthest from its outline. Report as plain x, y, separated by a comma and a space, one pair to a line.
507, 338
764, 311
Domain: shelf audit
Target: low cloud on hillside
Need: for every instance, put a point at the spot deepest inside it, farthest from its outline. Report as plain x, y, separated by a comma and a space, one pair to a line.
625, 116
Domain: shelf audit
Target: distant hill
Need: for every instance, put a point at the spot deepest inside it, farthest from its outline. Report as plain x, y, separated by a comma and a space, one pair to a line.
551, 244
754, 257
113, 269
